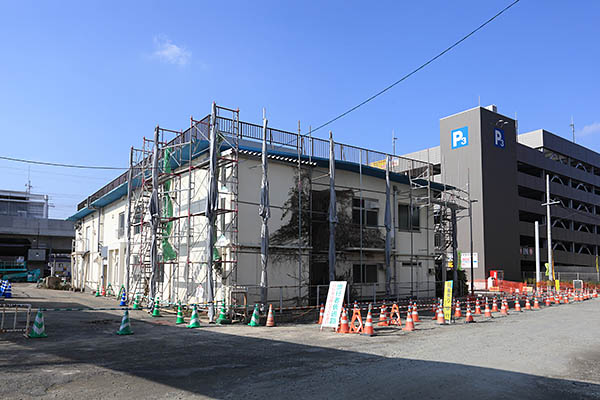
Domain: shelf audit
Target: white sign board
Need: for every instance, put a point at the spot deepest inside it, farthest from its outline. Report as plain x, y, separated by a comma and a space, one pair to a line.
333, 307
465, 260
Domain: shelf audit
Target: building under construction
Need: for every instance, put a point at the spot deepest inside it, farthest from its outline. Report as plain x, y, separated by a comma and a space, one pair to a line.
232, 211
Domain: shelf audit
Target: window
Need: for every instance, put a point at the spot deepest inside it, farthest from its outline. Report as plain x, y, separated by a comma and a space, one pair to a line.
365, 273
369, 209
137, 220
121, 229
404, 216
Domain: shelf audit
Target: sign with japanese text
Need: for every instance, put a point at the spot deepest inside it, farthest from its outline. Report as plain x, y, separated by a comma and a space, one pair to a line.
448, 300
333, 306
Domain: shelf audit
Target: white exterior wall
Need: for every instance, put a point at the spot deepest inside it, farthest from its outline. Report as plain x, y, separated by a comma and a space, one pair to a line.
283, 267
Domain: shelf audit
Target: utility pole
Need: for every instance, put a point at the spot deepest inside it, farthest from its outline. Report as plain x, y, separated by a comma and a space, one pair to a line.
549, 203
471, 233
537, 253
572, 128
394, 138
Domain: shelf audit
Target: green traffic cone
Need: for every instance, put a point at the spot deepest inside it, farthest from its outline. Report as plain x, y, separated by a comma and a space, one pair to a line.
194, 321
98, 291
223, 320
136, 303
38, 330
254, 321
125, 328
156, 310
180, 319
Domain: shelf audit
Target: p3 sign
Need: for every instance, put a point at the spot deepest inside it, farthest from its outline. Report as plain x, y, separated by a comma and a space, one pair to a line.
459, 137
499, 138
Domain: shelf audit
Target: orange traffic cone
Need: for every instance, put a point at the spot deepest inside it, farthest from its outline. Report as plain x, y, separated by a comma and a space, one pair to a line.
368, 330
536, 303
435, 310
270, 318
321, 313
344, 327
566, 298
395, 315
440, 317
527, 304
487, 312
415, 313
595, 294
495, 305
409, 326
457, 310
503, 310
517, 305
356, 324
383, 317
548, 303
477, 308
469, 316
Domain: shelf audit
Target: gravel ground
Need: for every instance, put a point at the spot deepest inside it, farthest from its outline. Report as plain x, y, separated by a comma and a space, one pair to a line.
544, 354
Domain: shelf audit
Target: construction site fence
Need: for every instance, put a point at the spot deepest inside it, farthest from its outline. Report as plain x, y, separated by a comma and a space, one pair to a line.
15, 317
590, 277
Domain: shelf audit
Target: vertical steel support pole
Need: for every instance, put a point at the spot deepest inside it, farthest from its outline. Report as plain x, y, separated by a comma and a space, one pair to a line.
537, 253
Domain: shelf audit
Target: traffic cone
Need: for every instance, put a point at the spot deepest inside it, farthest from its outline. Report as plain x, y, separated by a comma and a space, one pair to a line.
440, 317
517, 305
368, 329
415, 313
409, 326
495, 305
270, 318
344, 327
457, 310
194, 320
477, 308
469, 316
222, 319
125, 328
566, 298
487, 312
321, 314
395, 318
97, 291
536, 303
527, 304
38, 329
123, 302
103, 291
180, 319
548, 304
156, 309
383, 317
136, 303
595, 294
356, 324
254, 321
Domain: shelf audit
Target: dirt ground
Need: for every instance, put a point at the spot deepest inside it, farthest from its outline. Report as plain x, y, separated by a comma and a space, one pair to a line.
552, 353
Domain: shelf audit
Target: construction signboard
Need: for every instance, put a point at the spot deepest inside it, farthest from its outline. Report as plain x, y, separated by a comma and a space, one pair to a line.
335, 301
448, 300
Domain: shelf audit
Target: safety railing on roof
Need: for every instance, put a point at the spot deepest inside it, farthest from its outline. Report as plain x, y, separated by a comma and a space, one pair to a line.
308, 146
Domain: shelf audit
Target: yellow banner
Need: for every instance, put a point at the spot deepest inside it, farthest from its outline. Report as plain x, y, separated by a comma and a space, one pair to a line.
448, 301
557, 285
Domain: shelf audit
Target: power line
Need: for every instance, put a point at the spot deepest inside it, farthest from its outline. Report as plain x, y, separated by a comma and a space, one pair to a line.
59, 164
414, 71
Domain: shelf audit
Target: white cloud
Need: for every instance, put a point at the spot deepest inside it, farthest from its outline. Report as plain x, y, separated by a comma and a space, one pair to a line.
166, 51
590, 129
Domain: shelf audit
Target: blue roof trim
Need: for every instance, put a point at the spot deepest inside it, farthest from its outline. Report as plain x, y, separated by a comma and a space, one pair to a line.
180, 158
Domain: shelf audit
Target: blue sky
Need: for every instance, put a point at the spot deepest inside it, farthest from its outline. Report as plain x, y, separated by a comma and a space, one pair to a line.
81, 82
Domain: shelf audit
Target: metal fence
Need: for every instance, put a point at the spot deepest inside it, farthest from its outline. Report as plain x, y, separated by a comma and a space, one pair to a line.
15, 318
592, 277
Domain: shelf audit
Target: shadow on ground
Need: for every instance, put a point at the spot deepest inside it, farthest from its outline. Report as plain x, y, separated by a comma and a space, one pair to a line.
84, 358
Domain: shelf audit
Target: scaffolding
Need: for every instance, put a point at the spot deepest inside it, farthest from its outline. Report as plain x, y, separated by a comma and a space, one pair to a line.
167, 228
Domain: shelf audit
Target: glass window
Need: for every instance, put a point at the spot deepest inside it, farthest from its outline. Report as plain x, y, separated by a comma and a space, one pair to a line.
365, 273
404, 216
369, 209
